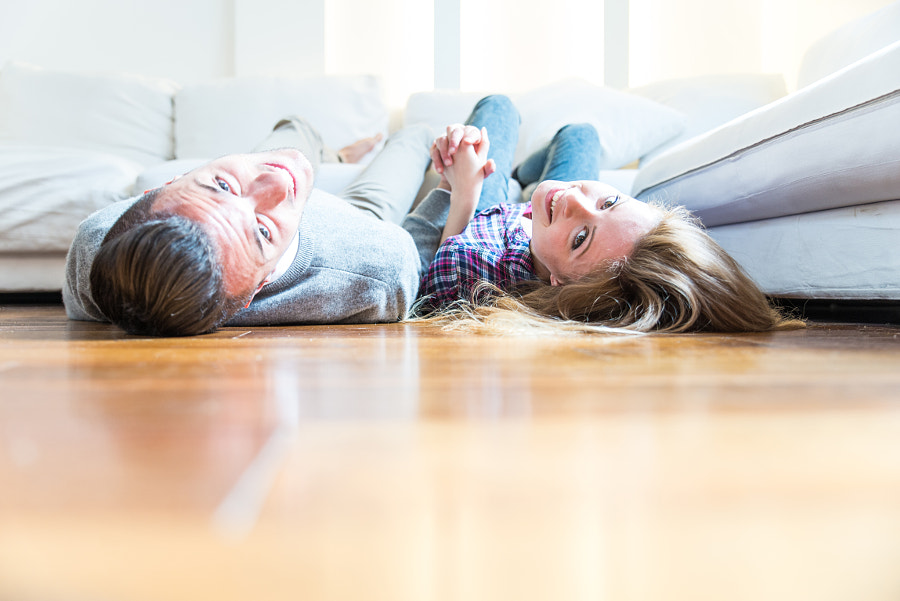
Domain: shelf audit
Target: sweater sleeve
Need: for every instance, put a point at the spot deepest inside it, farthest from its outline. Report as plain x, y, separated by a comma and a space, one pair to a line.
76, 291
426, 223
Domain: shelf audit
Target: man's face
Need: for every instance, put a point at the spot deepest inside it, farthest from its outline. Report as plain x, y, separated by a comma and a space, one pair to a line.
250, 206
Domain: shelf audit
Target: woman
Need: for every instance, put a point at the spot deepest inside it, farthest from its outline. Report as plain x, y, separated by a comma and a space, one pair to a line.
580, 255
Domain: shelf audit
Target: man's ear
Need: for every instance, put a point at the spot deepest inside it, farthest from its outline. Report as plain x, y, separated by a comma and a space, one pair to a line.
165, 184
255, 292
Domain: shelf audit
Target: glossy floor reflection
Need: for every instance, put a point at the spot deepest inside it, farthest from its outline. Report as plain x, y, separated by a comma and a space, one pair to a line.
398, 462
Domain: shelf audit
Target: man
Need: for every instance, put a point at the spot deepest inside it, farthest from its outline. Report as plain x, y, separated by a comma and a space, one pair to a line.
246, 240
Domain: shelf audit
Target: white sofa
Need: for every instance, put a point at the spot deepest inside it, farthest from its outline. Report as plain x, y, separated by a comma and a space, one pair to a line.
802, 188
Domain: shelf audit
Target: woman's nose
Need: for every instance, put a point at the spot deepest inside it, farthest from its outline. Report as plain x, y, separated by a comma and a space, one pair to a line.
573, 207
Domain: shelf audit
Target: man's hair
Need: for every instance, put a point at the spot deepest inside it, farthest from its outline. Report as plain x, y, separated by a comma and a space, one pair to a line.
158, 274
676, 279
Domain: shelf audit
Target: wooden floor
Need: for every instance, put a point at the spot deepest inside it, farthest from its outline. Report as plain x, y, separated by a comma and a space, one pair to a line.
400, 463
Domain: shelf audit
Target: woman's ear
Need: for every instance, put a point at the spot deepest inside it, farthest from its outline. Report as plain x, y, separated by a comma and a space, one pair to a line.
554, 281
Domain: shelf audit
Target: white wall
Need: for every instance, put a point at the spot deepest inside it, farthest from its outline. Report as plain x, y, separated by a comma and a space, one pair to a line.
516, 44
790, 28
275, 37
682, 38
184, 40
504, 44
391, 38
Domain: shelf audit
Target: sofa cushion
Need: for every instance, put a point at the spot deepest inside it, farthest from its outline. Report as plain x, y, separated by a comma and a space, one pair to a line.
629, 125
829, 145
234, 115
439, 108
120, 114
45, 192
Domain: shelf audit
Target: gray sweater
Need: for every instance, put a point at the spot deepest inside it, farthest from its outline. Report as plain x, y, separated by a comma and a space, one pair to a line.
350, 267
425, 223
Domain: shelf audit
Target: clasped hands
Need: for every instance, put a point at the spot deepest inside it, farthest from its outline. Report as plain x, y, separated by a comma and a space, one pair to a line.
460, 156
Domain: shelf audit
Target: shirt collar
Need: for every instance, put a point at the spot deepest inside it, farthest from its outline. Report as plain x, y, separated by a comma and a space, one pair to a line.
284, 263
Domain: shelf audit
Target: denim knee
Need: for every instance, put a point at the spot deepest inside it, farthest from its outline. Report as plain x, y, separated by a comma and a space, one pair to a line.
500, 104
580, 133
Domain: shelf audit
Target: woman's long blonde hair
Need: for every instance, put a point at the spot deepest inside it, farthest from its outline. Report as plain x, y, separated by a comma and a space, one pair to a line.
676, 279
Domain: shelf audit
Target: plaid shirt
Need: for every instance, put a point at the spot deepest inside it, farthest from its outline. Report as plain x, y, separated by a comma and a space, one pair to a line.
493, 247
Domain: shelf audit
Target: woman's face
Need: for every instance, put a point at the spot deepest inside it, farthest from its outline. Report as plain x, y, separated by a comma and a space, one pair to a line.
580, 225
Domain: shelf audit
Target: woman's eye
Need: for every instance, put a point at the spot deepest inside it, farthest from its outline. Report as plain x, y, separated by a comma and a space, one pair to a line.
609, 203
223, 184
264, 232
580, 237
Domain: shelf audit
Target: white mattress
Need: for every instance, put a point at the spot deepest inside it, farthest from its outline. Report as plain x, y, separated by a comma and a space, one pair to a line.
848, 253
832, 144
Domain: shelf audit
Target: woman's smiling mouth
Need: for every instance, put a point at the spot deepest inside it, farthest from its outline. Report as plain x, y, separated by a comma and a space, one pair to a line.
550, 201
552, 198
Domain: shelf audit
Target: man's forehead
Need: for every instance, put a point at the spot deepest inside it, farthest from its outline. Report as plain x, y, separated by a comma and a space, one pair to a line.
235, 244
186, 190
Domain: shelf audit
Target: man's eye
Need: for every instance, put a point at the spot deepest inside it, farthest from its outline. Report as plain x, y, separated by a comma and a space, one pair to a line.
264, 232
223, 184
580, 237
609, 203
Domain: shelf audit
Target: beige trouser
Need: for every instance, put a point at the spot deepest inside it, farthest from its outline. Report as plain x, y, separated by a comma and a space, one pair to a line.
387, 186
296, 132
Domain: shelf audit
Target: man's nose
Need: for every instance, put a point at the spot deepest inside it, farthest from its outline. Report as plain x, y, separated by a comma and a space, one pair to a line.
268, 189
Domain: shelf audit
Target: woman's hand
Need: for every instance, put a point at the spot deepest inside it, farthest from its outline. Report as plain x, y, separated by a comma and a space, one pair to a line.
445, 147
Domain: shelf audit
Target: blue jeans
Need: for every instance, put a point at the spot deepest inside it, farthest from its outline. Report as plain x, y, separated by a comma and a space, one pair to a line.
498, 114
573, 154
